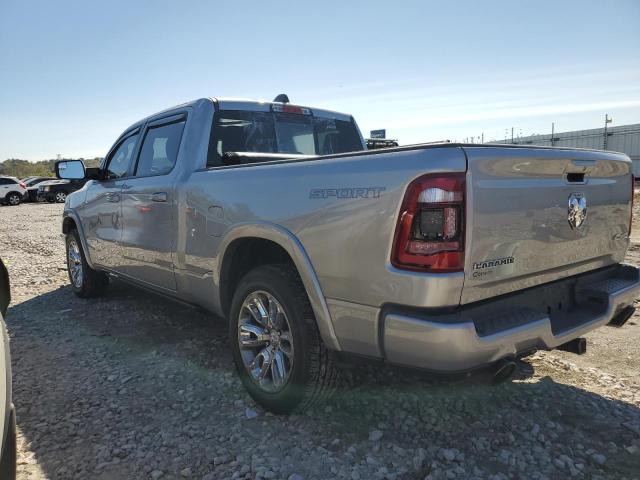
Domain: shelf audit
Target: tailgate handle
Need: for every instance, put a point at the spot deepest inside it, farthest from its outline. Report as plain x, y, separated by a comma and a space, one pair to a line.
575, 177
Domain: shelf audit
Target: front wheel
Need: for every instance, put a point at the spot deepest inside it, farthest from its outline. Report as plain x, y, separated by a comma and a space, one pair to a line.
85, 281
13, 199
276, 345
61, 197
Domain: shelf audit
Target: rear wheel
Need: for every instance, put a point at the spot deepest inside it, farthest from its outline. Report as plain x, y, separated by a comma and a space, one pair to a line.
85, 281
13, 199
276, 344
61, 197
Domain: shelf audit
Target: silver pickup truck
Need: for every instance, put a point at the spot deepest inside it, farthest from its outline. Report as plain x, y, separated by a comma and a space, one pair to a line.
444, 257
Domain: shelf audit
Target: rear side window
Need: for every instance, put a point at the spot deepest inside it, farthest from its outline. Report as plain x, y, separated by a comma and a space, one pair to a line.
159, 151
6, 181
120, 160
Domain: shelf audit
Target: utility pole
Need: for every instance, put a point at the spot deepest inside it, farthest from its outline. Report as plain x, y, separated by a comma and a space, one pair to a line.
482, 137
553, 127
511, 134
607, 120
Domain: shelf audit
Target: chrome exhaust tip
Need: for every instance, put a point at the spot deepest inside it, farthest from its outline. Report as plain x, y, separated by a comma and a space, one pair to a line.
502, 371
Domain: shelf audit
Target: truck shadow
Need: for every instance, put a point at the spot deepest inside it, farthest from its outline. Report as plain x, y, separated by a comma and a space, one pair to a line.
121, 385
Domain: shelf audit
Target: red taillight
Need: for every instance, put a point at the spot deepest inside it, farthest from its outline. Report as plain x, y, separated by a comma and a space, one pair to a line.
22, 184
633, 194
430, 231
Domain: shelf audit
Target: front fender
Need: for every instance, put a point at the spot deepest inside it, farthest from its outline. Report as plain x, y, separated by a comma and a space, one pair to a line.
290, 243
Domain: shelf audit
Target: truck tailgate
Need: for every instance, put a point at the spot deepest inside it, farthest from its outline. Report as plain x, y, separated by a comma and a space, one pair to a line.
536, 215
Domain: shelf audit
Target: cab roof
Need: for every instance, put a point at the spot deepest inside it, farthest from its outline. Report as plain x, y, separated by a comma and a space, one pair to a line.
230, 103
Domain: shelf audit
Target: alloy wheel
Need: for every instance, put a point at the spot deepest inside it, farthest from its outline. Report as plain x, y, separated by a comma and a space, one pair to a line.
61, 197
266, 341
74, 262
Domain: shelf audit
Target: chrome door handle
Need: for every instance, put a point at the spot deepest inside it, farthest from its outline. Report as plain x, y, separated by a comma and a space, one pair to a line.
159, 197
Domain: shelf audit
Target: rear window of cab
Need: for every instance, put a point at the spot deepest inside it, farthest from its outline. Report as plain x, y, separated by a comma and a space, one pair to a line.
280, 132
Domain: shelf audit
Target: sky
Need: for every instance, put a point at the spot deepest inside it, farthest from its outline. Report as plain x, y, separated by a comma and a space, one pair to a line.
75, 74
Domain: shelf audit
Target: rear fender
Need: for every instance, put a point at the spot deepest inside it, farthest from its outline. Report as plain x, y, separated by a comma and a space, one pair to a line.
290, 243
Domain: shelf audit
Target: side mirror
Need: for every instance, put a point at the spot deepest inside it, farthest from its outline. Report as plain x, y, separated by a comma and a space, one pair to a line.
70, 169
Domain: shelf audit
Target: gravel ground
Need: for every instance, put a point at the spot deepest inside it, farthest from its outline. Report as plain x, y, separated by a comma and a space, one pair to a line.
133, 386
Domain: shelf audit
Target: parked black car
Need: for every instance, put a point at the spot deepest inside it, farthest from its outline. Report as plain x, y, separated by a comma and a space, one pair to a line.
32, 184
57, 190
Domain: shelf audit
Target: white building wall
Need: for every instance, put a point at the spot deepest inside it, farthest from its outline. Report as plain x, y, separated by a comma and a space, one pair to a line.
623, 138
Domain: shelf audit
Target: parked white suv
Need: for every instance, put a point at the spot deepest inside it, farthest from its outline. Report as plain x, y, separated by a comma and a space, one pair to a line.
12, 190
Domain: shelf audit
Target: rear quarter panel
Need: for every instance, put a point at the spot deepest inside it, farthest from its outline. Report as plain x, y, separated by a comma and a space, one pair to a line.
342, 211
346, 234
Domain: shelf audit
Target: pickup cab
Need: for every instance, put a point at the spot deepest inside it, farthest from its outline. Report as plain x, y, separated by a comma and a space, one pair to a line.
446, 257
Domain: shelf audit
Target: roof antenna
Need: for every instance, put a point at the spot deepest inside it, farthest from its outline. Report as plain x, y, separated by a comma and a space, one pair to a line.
282, 98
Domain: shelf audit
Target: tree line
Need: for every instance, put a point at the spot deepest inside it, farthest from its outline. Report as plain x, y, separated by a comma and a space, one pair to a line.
18, 168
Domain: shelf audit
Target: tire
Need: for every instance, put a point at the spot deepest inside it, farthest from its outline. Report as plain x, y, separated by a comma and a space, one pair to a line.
85, 281
311, 375
13, 199
60, 197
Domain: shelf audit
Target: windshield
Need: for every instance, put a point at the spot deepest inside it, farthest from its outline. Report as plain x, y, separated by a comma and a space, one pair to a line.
273, 132
35, 181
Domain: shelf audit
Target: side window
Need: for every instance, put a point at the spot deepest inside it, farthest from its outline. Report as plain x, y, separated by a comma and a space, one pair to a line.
160, 149
5, 181
120, 160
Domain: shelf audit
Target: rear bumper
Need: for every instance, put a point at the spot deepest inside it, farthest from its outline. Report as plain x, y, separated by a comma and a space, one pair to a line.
538, 318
